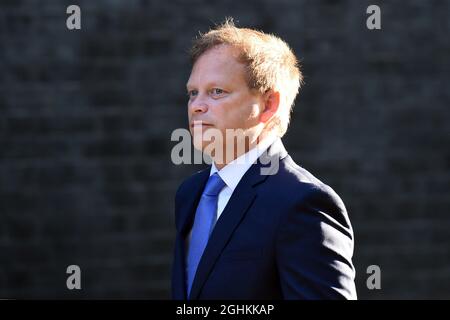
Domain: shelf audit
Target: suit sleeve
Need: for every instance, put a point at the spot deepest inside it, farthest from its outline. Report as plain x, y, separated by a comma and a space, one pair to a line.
314, 248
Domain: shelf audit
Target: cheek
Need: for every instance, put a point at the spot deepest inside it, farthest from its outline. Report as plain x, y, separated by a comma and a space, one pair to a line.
236, 113
248, 113
254, 111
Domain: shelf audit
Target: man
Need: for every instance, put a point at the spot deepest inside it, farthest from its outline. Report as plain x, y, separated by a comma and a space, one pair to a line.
242, 232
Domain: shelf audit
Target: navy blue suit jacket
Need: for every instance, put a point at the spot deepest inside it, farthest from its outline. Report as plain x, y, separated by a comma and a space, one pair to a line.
280, 236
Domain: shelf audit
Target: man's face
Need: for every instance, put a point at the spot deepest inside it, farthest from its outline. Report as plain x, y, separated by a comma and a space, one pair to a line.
220, 98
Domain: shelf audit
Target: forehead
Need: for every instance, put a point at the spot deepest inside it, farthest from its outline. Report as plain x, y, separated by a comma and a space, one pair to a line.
217, 64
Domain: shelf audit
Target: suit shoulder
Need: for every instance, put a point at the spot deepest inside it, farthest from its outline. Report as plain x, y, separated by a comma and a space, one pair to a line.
308, 190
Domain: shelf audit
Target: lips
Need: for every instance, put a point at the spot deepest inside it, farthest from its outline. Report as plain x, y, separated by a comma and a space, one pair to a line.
200, 123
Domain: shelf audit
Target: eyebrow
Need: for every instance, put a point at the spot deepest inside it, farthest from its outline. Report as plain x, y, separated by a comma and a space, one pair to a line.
209, 84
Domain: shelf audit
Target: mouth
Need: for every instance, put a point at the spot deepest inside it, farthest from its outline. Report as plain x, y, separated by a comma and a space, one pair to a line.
200, 124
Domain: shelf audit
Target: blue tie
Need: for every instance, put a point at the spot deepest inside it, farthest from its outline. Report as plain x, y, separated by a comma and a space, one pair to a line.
205, 217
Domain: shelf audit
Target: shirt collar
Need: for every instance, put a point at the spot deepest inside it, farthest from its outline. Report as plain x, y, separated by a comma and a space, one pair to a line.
233, 172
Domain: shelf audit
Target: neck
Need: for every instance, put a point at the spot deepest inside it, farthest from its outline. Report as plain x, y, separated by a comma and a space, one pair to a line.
261, 137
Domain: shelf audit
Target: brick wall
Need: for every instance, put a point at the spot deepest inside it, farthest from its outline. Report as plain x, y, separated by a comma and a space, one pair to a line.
86, 118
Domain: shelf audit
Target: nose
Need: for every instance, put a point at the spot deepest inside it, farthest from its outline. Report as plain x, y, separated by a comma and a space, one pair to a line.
198, 105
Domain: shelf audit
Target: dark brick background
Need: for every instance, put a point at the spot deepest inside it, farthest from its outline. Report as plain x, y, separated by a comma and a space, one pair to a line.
86, 118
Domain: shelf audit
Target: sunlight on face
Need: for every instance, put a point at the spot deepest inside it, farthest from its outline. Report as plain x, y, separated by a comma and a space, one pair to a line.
219, 98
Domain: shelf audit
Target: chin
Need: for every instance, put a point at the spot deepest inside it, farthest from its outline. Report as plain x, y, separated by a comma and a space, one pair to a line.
208, 148
199, 144
198, 141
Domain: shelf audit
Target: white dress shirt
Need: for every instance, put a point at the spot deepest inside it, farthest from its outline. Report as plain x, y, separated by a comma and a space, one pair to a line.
233, 172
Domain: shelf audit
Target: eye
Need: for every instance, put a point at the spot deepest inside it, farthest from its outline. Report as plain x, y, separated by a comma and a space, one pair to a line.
192, 93
217, 91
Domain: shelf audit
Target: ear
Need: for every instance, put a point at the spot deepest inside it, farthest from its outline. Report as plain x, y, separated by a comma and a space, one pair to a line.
271, 104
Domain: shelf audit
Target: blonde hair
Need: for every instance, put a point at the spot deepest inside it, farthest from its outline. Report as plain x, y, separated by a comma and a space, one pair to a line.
270, 64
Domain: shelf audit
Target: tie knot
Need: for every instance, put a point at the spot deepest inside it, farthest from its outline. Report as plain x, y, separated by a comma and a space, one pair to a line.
214, 185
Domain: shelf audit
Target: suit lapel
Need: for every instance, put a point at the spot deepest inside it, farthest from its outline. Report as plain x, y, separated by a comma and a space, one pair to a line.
190, 201
230, 218
184, 219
